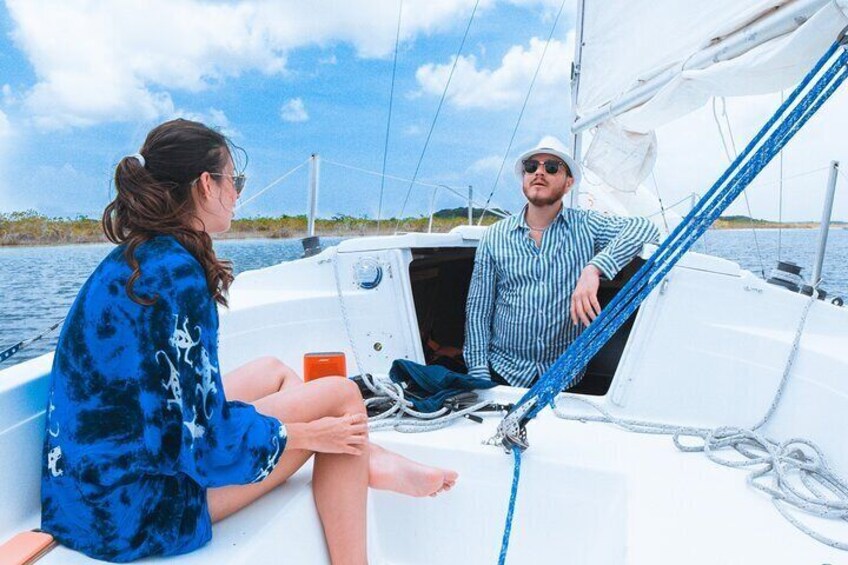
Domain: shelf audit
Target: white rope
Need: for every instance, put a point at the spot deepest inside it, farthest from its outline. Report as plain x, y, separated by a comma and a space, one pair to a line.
402, 416
796, 469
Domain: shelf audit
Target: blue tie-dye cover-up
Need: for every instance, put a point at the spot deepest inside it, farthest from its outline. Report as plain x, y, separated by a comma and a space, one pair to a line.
137, 423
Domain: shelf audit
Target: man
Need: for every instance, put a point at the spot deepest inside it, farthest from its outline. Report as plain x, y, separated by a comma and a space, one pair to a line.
537, 273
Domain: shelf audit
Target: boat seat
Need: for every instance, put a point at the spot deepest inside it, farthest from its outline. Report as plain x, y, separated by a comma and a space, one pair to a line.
254, 535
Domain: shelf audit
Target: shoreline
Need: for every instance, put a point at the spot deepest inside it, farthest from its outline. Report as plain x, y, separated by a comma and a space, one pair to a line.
28, 229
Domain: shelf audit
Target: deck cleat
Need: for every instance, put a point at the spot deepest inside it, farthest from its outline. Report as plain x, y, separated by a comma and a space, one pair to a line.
512, 431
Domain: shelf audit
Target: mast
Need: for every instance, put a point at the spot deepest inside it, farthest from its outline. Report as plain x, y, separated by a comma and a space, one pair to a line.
576, 136
824, 227
312, 208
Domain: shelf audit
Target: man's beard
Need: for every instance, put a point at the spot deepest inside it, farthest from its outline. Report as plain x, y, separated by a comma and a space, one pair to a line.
542, 201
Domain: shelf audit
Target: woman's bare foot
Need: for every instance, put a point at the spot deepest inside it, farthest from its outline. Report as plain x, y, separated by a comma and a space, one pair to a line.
390, 471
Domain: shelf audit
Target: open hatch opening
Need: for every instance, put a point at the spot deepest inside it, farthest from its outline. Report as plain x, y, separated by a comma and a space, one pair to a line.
440, 278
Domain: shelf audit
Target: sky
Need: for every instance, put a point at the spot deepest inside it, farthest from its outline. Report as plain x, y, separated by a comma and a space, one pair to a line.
82, 82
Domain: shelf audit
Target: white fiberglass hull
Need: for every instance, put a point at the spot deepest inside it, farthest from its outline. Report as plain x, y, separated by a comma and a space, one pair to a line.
706, 349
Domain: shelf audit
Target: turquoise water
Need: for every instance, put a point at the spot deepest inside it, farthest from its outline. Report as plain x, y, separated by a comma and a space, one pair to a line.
38, 284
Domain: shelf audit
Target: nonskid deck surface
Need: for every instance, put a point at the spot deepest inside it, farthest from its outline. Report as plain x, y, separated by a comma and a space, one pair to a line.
589, 493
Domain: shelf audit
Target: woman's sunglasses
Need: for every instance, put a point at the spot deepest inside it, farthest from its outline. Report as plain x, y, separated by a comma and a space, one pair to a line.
238, 180
551, 166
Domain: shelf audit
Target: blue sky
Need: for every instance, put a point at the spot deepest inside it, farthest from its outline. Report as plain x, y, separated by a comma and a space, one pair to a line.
279, 98
82, 82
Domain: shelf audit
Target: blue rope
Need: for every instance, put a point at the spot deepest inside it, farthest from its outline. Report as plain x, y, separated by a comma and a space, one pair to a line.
747, 165
723, 192
516, 474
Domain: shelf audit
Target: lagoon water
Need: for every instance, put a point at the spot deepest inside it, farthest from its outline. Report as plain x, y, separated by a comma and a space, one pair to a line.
38, 284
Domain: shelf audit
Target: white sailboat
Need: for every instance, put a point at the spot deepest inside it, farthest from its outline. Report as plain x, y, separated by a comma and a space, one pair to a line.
713, 345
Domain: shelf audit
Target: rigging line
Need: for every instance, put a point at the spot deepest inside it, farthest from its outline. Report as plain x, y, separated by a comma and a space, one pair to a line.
659, 197
521, 114
780, 198
438, 111
790, 177
730, 159
389, 121
453, 189
841, 174
670, 206
392, 177
268, 187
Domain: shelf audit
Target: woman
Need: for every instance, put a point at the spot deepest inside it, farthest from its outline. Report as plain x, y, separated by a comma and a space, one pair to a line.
146, 444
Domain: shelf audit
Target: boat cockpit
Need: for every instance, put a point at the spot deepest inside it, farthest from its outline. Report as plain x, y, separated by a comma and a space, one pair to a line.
440, 278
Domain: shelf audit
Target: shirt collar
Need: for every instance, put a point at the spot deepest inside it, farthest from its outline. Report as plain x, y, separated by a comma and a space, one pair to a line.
519, 221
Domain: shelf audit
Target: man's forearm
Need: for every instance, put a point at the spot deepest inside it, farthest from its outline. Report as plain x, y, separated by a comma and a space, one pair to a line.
633, 234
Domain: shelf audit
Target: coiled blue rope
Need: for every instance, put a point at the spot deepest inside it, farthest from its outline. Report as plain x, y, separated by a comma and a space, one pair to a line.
783, 125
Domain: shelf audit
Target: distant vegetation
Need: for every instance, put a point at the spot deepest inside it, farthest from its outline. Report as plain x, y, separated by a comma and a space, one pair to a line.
32, 228
742, 222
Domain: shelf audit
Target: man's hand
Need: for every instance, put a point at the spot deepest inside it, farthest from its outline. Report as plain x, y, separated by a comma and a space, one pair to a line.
584, 299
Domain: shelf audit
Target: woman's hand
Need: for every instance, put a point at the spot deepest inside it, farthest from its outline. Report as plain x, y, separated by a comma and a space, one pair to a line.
584, 299
346, 434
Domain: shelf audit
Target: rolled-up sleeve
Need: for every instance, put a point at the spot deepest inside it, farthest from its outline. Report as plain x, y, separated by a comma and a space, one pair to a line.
617, 240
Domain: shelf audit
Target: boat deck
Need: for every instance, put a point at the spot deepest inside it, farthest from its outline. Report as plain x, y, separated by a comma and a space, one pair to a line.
589, 493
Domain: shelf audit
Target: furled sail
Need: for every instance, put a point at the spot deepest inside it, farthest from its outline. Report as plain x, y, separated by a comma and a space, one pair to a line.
645, 63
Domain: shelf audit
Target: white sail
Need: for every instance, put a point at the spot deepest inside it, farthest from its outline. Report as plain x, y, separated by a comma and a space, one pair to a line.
645, 63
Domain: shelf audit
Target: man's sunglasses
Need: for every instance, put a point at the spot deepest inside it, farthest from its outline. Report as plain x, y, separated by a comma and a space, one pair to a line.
238, 180
551, 166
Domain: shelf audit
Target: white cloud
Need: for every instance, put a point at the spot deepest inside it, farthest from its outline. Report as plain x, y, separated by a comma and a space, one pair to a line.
214, 118
5, 126
486, 166
330, 60
506, 85
294, 111
119, 61
8, 95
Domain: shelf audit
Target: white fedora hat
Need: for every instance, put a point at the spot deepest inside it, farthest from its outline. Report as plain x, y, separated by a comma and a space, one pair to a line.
551, 146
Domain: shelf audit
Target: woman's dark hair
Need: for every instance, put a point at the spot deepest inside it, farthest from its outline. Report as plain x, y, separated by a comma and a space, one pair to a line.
157, 198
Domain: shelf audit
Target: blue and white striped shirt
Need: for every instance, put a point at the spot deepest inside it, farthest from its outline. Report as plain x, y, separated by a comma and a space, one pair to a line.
518, 315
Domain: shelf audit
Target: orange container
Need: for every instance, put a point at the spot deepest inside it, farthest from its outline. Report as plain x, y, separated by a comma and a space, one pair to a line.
317, 365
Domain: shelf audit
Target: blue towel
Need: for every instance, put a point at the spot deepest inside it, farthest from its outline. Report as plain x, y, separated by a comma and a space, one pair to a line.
429, 386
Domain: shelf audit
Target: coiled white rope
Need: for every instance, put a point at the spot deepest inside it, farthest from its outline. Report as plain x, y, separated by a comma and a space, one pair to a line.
794, 472
401, 415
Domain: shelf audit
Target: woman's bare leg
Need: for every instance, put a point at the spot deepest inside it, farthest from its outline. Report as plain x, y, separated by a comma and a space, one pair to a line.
339, 482
387, 470
261, 382
258, 379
